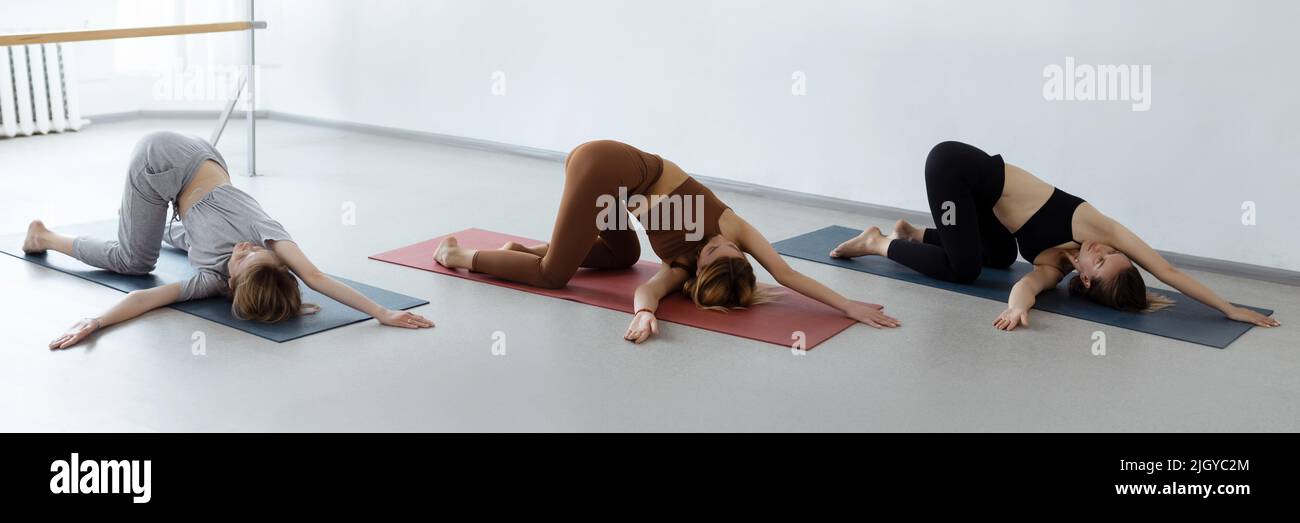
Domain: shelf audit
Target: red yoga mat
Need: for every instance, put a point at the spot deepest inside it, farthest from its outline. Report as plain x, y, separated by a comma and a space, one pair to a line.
775, 323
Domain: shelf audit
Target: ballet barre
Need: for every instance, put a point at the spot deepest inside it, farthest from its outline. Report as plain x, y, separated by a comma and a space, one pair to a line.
249, 80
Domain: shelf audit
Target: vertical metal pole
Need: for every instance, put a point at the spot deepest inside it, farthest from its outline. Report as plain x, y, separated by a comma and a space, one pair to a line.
252, 93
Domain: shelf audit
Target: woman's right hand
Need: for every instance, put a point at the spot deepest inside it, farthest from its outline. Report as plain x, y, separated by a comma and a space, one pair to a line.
75, 334
871, 314
644, 325
1011, 318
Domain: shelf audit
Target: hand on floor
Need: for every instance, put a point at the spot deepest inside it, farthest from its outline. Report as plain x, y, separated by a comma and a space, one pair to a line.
1249, 316
644, 325
404, 319
872, 314
75, 334
1012, 318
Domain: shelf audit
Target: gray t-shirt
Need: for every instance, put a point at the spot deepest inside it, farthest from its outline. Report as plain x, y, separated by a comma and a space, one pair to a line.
209, 232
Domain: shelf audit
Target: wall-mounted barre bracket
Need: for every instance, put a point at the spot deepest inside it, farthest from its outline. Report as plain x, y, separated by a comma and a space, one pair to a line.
133, 32
229, 110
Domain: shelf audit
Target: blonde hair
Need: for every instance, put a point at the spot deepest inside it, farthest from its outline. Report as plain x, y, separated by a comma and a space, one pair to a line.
1126, 292
266, 292
725, 284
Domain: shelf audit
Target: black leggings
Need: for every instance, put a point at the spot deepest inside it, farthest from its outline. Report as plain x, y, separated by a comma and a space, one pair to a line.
970, 181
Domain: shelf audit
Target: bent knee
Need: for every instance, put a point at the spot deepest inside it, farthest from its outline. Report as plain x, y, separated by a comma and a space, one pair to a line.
1003, 262
129, 265
949, 157
965, 274
552, 282
626, 258
136, 270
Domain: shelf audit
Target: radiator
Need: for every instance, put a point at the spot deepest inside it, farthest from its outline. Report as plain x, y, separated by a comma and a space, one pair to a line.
37, 94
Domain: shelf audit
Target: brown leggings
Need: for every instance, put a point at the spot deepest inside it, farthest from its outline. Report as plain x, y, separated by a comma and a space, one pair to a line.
592, 170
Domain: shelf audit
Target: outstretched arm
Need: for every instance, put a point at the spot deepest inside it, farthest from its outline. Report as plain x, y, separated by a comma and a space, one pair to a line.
1146, 257
665, 282
322, 283
1024, 294
134, 304
753, 242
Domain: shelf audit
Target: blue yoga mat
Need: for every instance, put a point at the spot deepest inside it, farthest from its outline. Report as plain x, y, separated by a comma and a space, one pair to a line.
1188, 320
173, 266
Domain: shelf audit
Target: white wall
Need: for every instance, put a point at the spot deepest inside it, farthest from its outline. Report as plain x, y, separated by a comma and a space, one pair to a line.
708, 84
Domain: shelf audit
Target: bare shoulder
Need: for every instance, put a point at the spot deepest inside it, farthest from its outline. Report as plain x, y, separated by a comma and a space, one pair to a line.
732, 225
1090, 224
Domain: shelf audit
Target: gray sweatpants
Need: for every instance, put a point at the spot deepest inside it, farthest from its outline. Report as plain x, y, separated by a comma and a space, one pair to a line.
161, 165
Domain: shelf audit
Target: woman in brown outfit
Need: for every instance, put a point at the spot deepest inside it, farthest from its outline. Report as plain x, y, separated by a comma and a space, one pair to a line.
706, 261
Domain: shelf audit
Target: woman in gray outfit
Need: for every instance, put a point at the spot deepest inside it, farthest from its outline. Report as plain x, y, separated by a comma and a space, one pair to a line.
237, 250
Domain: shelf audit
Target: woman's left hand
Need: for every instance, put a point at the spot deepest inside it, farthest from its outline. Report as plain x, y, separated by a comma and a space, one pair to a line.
404, 319
1249, 316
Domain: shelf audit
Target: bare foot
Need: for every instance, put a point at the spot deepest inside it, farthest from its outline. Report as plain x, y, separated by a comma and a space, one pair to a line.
450, 255
871, 241
34, 243
538, 251
907, 231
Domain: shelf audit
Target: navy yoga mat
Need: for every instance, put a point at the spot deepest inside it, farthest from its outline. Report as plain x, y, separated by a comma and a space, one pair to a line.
1188, 320
174, 266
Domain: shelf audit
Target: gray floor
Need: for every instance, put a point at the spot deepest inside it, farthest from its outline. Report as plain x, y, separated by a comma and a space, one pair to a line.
566, 367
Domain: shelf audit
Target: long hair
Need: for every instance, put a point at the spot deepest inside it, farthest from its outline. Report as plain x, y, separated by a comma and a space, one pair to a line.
725, 284
1126, 292
267, 292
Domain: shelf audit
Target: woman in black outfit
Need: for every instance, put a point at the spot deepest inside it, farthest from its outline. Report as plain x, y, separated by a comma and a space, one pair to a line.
977, 201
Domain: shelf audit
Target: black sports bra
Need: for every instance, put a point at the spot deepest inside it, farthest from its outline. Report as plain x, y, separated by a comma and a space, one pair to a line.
1050, 227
